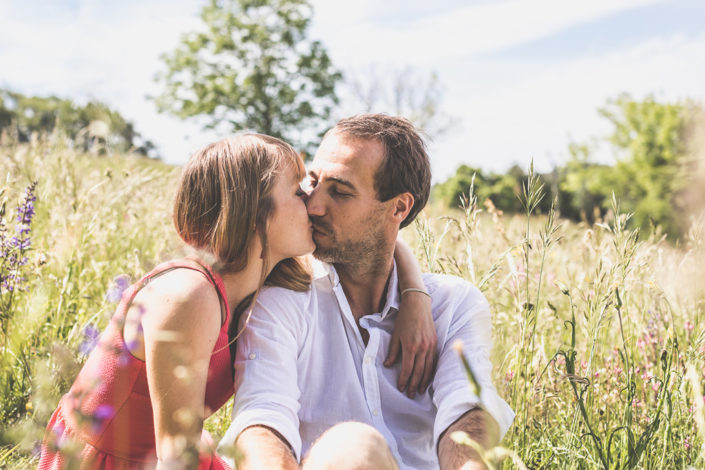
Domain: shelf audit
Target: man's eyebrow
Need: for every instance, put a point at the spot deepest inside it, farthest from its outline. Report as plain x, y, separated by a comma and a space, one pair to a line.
342, 181
336, 179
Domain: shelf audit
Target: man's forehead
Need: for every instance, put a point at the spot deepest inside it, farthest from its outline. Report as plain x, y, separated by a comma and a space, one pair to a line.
348, 157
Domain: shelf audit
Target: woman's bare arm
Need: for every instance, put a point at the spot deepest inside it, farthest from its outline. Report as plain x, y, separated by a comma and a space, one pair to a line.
181, 322
414, 331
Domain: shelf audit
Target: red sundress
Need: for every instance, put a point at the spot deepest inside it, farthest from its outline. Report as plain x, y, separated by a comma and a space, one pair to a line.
106, 419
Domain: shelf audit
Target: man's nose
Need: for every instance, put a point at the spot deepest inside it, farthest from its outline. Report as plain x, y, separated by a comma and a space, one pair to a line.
314, 202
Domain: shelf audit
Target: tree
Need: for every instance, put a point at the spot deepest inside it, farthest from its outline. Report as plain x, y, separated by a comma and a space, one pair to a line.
252, 68
91, 127
584, 188
502, 189
404, 91
647, 178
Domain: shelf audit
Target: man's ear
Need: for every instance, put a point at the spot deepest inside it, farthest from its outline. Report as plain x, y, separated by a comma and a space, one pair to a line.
402, 206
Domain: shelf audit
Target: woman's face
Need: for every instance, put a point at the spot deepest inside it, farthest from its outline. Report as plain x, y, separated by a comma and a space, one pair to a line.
289, 231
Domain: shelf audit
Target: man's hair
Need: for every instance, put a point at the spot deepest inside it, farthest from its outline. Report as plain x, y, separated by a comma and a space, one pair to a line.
405, 166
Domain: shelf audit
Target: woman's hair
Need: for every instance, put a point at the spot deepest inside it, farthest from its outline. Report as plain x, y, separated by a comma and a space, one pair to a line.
224, 200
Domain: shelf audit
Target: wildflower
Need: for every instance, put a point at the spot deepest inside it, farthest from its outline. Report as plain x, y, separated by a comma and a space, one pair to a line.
689, 326
91, 334
103, 413
13, 249
509, 376
120, 283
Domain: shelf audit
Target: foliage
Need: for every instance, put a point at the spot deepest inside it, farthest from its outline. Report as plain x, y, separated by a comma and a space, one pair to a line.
91, 127
502, 189
656, 169
647, 179
252, 68
597, 343
83, 223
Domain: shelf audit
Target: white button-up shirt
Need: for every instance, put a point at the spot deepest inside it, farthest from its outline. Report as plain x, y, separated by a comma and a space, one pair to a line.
302, 367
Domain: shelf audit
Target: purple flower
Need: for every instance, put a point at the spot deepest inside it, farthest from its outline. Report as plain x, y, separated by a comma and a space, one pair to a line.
120, 283
104, 412
91, 334
12, 250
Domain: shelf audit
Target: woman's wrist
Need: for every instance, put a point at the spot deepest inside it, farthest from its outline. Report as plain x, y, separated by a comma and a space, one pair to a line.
415, 289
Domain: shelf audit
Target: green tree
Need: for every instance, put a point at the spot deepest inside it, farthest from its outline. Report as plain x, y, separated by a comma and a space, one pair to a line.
647, 177
252, 68
501, 189
451, 190
91, 127
584, 186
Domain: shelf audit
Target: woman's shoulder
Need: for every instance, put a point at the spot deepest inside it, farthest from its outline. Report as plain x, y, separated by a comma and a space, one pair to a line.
178, 292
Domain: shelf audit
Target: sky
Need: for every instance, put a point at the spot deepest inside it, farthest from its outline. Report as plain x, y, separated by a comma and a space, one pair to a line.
521, 78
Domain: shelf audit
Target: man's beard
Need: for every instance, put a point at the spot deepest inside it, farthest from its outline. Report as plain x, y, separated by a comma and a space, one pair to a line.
354, 253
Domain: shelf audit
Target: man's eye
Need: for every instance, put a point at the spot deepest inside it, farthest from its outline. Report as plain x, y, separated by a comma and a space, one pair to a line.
337, 193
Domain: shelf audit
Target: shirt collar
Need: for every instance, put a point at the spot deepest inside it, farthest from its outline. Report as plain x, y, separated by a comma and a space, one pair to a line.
322, 269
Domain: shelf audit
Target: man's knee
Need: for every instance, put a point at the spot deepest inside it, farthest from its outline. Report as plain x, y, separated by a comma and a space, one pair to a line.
350, 446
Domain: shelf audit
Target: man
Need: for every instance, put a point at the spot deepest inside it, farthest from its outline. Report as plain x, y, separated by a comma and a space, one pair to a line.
310, 378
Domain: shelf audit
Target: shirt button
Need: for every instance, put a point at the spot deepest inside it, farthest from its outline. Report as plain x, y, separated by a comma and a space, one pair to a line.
368, 360
374, 413
252, 356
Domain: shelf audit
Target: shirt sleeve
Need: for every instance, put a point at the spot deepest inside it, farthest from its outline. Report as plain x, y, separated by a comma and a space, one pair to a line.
266, 379
471, 324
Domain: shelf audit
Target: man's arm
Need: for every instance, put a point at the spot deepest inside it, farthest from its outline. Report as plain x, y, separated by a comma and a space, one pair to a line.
481, 428
264, 449
485, 417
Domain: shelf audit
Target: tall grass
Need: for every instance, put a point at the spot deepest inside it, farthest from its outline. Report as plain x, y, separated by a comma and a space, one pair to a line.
599, 337
598, 334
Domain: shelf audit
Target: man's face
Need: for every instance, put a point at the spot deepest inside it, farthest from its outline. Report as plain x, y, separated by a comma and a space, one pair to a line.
350, 224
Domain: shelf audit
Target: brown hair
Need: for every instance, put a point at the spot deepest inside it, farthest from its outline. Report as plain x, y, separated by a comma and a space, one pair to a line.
405, 167
224, 198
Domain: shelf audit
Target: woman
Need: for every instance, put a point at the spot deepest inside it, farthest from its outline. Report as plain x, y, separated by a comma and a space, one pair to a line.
163, 365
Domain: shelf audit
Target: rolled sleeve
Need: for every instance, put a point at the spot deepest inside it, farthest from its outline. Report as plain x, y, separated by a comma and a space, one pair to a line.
266, 378
471, 325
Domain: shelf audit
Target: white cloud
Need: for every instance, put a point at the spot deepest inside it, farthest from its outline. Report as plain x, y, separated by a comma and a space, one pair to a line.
458, 32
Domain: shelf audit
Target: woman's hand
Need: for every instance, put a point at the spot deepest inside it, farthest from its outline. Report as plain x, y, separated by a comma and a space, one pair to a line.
415, 336
414, 331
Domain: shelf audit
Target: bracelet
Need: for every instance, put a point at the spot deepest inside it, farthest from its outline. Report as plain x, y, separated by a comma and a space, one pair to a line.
414, 289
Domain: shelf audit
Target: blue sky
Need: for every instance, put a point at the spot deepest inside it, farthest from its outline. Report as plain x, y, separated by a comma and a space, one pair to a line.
523, 77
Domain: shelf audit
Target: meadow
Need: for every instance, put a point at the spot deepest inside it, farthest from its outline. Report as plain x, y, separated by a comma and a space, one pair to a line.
599, 343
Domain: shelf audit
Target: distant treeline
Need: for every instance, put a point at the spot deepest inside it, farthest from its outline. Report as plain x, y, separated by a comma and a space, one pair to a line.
92, 127
659, 174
